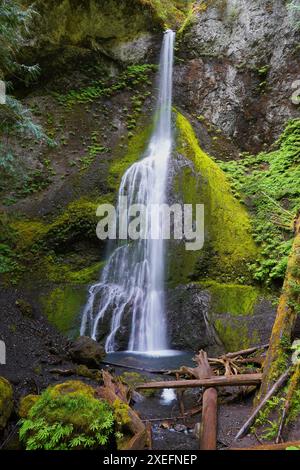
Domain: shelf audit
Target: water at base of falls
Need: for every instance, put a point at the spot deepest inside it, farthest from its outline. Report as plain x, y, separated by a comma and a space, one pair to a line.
132, 283
169, 359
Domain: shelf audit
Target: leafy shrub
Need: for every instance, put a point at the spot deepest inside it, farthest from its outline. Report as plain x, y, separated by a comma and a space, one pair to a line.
133, 76
270, 182
14, 21
68, 416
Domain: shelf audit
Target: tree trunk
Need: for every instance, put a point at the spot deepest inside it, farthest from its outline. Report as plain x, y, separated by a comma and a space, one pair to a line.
208, 433
285, 319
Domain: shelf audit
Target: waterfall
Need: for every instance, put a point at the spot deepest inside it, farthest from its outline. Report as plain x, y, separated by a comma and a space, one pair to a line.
132, 282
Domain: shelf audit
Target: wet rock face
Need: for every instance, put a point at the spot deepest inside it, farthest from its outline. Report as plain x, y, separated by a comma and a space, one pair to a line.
218, 317
189, 325
65, 31
240, 60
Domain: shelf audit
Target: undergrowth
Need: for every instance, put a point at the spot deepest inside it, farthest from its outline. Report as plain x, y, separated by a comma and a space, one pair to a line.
269, 184
68, 417
133, 76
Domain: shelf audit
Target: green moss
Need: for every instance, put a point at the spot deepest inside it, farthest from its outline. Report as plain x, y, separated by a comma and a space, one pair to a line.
38, 246
282, 359
68, 416
77, 221
170, 13
235, 334
6, 401
88, 22
134, 76
121, 412
62, 307
231, 308
233, 299
93, 374
60, 272
26, 403
229, 246
136, 148
133, 378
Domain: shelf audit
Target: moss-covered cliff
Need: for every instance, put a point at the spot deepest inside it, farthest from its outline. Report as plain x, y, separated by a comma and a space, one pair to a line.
229, 245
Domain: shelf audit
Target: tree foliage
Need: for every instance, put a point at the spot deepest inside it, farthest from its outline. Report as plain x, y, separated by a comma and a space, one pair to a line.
14, 21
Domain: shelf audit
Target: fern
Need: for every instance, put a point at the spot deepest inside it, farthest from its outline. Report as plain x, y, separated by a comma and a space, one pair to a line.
64, 421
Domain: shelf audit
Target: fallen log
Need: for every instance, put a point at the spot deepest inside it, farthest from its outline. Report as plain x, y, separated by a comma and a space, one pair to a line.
115, 390
216, 381
141, 369
280, 382
281, 446
246, 352
252, 360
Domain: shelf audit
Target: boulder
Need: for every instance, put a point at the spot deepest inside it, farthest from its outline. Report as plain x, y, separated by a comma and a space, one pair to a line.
85, 350
6, 402
25, 405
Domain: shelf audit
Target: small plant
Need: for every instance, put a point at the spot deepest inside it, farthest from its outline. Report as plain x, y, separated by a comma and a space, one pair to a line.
134, 75
67, 416
270, 181
94, 150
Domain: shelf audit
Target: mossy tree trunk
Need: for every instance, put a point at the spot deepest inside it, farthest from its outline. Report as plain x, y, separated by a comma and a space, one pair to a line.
288, 309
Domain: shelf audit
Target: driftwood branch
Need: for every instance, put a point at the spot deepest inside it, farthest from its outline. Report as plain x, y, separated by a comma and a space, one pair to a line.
281, 446
141, 369
218, 381
113, 390
246, 352
280, 382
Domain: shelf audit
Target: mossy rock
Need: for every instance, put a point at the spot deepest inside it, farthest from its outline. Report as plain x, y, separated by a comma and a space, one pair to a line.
26, 403
76, 222
6, 402
242, 315
136, 147
85, 371
228, 246
63, 305
68, 29
219, 317
235, 334
68, 416
85, 350
232, 298
71, 387
133, 378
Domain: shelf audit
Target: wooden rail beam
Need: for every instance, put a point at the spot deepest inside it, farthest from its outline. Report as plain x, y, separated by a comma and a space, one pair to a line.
221, 381
281, 446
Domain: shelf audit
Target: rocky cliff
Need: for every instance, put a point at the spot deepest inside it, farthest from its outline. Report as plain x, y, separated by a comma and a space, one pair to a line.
236, 63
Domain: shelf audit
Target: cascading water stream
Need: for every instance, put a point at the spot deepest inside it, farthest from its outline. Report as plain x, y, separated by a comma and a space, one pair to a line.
133, 279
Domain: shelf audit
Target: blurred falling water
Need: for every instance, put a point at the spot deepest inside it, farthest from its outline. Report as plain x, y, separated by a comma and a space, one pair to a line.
133, 279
